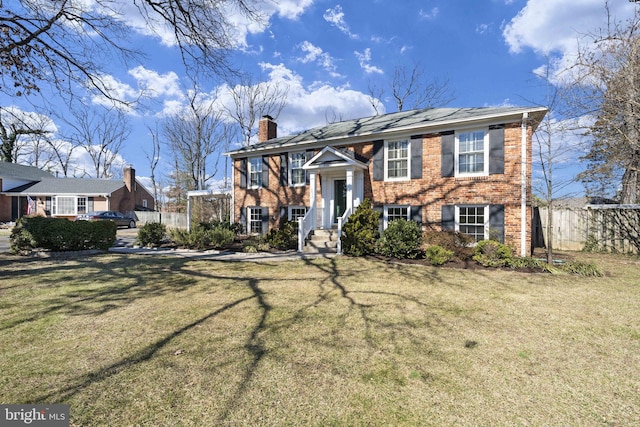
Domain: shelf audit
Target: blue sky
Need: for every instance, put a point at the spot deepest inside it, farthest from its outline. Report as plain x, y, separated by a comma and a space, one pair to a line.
328, 51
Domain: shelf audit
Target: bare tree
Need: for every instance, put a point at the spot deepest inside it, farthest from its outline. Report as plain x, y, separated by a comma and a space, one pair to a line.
606, 86
252, 101
552, 148
15, 124
55, 42
196, 137
411, 88
153, 158
101, 132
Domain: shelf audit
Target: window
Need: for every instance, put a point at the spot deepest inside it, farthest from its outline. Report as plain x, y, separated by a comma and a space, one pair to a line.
255, 221
296, 212
397, 160
297, 175
392, 212
65, 205
255, 172
145, 204
69, 205
82, 205
473, 220
471, 152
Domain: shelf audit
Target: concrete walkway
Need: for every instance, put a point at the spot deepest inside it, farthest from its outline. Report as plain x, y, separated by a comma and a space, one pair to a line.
220, 255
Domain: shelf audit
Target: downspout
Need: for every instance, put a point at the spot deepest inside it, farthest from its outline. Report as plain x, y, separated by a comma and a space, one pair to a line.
523, 188
232, 208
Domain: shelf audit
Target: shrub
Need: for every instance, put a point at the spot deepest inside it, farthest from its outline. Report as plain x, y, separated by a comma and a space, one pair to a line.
582, 269
284, 237
59, 234
220, 237
458, 243
200, 238
401, 239
437, 255
360, 233
491, 253
235, 227
152, 234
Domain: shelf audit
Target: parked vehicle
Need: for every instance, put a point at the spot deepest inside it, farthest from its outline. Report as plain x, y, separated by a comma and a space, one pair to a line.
120, 219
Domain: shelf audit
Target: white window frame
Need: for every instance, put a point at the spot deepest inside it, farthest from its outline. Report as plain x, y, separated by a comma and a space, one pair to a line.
292, 208
251, 214
485, 214
257, 172
386, 213
55, 205
86, 204
485, 152
145, 204
387, 159
299, 167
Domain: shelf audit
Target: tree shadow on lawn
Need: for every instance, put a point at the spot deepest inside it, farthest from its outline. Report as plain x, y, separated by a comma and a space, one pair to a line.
332, 278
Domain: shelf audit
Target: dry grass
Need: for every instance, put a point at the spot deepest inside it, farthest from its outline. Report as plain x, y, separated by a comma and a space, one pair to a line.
168, 342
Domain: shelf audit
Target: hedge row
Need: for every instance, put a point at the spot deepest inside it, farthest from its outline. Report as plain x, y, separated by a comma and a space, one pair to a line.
59, 234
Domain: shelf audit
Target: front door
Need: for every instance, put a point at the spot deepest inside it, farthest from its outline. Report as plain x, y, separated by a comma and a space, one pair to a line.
339, 198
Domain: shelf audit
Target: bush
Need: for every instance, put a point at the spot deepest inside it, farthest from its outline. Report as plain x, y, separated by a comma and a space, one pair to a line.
284, 237
152, 234
59, 234
402, 239
582, 269
491, 253
200, 238
235, 227
360, 233
437, 255
458, 243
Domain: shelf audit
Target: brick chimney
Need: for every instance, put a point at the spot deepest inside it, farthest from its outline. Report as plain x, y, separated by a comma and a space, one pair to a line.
267, 129
129, 177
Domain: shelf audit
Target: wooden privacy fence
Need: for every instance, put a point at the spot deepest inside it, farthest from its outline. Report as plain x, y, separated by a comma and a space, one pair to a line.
611, 228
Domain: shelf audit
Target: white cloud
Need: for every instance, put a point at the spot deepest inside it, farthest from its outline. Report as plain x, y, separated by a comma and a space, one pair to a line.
429, 14
317, 55
365, 58
557, 28
149, 84
241, 26
153, 84
314, 104
335, 17
482, 28
548, 26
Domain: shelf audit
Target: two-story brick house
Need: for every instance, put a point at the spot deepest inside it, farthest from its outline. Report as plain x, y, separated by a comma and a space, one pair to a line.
465, 169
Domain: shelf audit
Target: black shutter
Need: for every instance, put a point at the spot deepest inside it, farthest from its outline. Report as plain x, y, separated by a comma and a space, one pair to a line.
447, 167
284, 169
283, 214
243, 173
448, 220
265, 171
378, 160
496, 150
243, 220
496, 222
308, 157
265, 220
416, 214
416, 157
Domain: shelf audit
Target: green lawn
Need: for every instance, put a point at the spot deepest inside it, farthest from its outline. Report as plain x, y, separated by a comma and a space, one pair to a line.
169, 342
